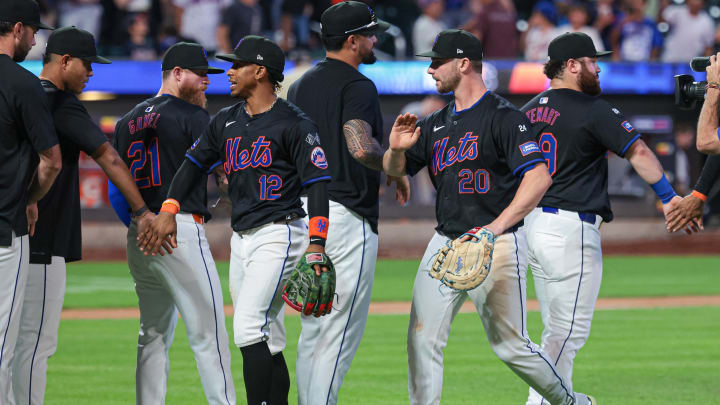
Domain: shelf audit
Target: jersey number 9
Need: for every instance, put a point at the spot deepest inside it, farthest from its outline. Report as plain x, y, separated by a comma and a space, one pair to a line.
548, 146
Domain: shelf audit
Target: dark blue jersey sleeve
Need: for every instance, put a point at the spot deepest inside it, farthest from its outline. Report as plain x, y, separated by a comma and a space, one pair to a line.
516, 139
206, 151
611, 128
303, 144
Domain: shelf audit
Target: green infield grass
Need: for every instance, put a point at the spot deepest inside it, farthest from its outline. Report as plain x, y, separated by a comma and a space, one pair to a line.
109, 285
668, 356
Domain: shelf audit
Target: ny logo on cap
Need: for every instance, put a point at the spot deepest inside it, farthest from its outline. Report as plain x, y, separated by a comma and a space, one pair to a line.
459, 51
373, 18
259, 57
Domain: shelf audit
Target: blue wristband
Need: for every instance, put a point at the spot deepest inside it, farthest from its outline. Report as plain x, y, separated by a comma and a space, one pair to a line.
664, 190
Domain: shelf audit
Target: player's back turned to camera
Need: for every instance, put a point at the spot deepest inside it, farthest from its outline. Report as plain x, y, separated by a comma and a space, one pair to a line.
152, 139
575, 131
345, 105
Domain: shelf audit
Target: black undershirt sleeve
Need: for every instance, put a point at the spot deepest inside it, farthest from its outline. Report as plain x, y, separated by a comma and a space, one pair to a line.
186, 178
318, 205
709, 175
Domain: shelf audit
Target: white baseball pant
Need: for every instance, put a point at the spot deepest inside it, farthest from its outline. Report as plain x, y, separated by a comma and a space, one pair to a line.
40, 320
500, 302
14, 263
185, 281
328, 344
261, 261
565, 258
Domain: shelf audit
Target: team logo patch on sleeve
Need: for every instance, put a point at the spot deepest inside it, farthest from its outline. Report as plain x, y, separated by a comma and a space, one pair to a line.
317, 157
529, 147
628, 127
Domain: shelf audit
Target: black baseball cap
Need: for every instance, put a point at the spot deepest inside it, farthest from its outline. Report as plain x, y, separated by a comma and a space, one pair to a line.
455, 44
351, 17
76, 43
188, 55
24, 11
573, 45
260, 51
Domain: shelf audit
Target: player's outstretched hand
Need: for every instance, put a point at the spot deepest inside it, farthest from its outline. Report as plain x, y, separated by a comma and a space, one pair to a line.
160, 234
686, 213
404, 133
31, 211
402, 188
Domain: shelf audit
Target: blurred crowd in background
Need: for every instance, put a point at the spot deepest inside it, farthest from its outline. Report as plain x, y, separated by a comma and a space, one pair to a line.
636, 30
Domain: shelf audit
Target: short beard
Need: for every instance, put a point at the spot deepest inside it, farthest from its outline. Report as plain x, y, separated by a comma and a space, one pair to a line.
193, 97
588, 82
450, 84
21, 52
369, 58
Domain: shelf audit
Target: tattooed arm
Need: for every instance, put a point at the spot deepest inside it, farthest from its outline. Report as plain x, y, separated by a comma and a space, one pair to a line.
361, 145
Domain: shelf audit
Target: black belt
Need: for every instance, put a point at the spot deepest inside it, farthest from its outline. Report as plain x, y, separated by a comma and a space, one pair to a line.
588, 217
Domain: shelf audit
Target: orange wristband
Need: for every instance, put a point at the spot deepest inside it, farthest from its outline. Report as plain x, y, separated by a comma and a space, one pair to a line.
699, 195
171, 206
319, 227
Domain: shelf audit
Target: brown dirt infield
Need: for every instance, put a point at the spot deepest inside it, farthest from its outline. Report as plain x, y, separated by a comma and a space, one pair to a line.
399, 308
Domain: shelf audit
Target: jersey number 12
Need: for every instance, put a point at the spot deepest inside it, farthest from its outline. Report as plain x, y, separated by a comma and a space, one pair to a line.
269, 185
140, 156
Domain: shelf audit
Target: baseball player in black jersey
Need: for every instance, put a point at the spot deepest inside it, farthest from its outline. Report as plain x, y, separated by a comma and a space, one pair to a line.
269, 150
26, 132
57, 238
152, 139
488, 171
345, 105
575, 131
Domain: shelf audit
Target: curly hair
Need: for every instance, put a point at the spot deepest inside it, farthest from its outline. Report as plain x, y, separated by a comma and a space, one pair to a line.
554, 68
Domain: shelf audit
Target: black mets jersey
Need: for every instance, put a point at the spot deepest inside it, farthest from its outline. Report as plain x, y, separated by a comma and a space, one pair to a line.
268, 159
25, 129
152, 140
475, 159
333, 93
575, 132
58, 230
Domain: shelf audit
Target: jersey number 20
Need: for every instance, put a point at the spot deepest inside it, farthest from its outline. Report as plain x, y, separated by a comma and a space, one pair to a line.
140, 155
548, 146
473, 182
